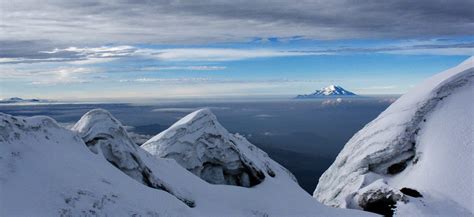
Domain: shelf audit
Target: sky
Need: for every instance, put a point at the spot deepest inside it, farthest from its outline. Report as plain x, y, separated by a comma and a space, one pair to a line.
126, 49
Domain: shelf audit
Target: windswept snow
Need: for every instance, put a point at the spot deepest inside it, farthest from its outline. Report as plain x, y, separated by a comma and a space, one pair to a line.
95, 170
46, 170
201, 145
104, 134
423, 142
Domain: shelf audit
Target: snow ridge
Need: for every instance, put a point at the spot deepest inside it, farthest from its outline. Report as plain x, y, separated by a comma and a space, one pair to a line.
105, 135
387, 146
200, 144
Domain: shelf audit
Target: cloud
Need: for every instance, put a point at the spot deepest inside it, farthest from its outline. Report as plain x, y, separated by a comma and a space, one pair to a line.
334, 102
186, 110
103, 54
44, 75
206, 80
208, 54
262, 116
187, 68
92, 55
165, 80
168, 21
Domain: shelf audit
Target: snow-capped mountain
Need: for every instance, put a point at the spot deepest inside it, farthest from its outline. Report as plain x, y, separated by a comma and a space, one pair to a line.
332, 90
415, 158
95, 170
200, 144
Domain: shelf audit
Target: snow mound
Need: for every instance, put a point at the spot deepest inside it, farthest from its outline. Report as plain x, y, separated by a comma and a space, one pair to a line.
413, 157
104, 134
200, 144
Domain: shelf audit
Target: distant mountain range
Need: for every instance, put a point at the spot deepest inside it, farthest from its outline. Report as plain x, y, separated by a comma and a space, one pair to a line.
329, 91
20, 100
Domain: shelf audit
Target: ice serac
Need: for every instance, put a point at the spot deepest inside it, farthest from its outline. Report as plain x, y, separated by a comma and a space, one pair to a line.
415, 158
105, 135
200, 144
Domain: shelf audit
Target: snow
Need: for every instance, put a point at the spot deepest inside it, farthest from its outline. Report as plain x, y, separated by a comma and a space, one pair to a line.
48, 170
331, 90
104, 134
423, 141
200, 144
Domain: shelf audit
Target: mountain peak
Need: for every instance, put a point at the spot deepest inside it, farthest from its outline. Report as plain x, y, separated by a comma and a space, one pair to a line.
199, 143
204, 115
331, 90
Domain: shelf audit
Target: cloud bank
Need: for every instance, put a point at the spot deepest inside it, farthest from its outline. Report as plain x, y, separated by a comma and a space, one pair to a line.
173, 21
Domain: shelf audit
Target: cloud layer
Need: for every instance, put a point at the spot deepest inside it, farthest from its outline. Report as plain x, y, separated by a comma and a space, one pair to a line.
188, 22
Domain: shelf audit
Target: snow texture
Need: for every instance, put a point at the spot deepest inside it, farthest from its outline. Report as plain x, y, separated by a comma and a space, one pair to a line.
104, 134
95, 170
200, 144
423, 142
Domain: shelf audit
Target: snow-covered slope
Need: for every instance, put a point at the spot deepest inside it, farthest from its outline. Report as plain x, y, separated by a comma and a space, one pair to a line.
200, 144
47, 170
332, 90
417, 155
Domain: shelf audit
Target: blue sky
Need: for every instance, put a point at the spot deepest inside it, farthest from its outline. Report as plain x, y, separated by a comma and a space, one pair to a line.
67, 50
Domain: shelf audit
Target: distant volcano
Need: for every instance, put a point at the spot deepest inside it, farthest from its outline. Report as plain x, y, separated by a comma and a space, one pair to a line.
332, 90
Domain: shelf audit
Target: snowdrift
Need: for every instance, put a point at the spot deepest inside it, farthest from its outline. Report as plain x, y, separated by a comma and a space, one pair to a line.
415, 158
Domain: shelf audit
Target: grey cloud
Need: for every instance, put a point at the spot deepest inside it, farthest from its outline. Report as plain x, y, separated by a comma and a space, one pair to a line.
173, 21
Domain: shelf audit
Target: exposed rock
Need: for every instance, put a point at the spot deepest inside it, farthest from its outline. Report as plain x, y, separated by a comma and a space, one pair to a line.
411, 192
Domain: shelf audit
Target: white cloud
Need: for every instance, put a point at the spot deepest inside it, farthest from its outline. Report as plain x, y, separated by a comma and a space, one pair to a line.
468, 51
188, 68
164, 80
103, 51
39, 74
219, 54
92, 55
63, 75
